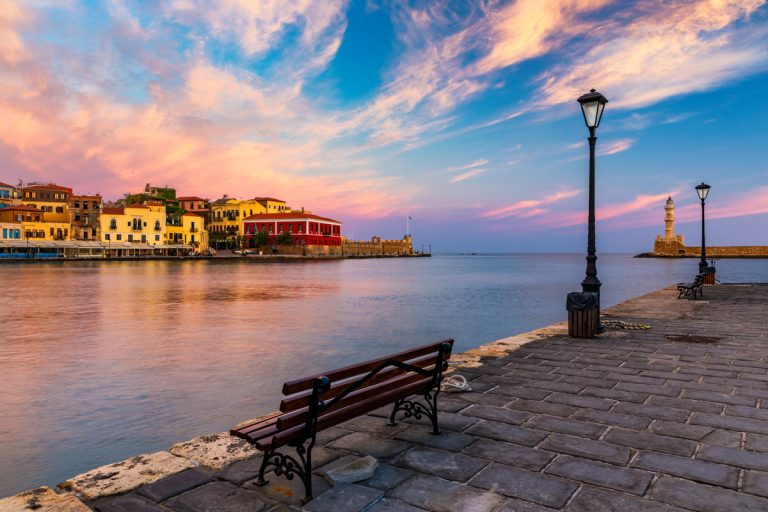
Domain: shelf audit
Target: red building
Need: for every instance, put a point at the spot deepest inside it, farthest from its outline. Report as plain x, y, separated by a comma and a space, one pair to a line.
306, 229
198, 205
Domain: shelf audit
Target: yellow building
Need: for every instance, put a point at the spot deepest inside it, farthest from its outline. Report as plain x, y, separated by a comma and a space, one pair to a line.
34, 224
9, 195
227, 214
133, 223
191, 232
51, 199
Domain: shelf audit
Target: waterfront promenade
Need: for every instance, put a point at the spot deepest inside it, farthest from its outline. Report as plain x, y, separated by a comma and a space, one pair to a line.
663, 420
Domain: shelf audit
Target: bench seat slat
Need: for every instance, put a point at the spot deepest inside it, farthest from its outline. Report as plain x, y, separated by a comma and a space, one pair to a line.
299, 416
294, 403
340, 415
290, 388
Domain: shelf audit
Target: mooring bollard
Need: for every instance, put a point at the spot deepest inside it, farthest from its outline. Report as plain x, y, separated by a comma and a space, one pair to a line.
583, 314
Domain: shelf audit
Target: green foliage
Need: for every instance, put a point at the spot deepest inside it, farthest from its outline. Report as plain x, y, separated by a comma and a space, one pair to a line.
261, 238
284, 238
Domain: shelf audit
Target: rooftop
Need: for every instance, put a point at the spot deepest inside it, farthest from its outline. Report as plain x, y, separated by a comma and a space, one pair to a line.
288, 216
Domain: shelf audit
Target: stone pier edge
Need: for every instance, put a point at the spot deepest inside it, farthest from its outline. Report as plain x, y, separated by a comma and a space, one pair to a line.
219, 450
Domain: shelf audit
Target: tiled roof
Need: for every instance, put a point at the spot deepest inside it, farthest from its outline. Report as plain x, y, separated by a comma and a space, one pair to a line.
6, 185
95, 198
137, 205
113, 210
190, 198
268, 199
49, 186
289, 216
191, 214
22, 207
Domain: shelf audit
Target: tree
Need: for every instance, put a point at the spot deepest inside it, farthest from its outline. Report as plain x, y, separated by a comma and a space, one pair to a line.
284, 238
261, 238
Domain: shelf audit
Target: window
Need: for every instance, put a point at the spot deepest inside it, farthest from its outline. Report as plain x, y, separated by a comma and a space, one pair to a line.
130, 237
5, 233
85, 205
157, 238
143, 239
59, 209
113, 224
119, 236
157, 225
77, 204
51, 231
17, 233
77, 218
106, 236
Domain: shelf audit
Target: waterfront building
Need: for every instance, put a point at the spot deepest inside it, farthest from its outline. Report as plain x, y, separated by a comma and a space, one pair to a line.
309, 233
138, 223
11, 231
50, 198
227, 214
378, 247
198, 205
9, 195
190, 231
34, 223
85, 211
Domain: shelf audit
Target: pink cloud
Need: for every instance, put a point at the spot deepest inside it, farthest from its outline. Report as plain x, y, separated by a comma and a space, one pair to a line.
528, 207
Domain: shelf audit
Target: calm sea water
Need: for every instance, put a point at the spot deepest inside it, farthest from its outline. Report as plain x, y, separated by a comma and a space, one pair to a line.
103, 361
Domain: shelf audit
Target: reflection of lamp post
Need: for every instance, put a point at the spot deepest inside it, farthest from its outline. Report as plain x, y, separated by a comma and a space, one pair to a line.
592, 106
703, 190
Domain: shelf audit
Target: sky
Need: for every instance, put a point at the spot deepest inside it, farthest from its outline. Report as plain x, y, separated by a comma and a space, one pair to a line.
461, 115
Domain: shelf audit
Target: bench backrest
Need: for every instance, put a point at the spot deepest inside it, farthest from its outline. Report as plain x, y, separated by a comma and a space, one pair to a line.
324, 400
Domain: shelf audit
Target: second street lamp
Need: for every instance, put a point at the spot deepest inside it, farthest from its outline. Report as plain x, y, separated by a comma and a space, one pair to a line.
592, 106
703, 191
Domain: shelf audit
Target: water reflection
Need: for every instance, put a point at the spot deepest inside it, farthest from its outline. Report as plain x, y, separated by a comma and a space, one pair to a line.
101, 361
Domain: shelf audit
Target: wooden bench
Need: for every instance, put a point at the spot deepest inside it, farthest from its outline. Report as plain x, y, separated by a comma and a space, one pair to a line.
691, 290
320, 401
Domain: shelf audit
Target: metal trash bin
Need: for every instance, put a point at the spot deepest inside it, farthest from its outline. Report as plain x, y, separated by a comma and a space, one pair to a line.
583, 314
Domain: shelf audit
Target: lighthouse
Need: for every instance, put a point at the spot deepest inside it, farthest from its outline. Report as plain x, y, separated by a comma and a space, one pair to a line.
669, 220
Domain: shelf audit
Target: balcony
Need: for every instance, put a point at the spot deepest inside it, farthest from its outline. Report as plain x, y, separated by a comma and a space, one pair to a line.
194, 230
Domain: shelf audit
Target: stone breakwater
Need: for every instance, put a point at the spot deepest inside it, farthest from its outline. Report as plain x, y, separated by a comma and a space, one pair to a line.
673, 418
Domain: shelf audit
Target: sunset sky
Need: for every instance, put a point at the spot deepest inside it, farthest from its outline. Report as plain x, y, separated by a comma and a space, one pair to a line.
461, 114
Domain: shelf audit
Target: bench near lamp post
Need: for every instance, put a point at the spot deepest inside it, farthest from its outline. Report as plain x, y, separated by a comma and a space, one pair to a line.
586, 322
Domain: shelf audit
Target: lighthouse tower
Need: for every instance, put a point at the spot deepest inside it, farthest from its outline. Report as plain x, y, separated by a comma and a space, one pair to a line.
669, 220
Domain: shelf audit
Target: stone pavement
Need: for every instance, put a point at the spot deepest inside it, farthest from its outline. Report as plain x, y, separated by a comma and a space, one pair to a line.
629, 421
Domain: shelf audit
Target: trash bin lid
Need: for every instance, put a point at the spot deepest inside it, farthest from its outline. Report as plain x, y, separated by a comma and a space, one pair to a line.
581, 301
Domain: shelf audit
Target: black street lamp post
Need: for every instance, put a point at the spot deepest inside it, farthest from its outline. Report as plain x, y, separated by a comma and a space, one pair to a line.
592, 106
703, 190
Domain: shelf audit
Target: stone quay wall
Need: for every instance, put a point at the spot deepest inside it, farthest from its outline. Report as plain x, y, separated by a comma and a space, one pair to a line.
378, 247
675, 248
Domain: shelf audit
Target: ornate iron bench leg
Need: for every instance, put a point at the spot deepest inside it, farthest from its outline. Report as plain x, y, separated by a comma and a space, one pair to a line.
290, 466
414, 409
264, 464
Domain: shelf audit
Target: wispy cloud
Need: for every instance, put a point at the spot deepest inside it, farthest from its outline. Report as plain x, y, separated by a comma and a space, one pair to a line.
528, 207
467, 175
615, 146
667, 50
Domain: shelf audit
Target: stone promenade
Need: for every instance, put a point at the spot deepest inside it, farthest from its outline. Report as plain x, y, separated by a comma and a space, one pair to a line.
661, 420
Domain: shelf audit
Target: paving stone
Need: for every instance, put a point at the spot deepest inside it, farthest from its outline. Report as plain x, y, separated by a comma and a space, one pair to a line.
637, 379
756, 442
562, 387
126, 475
506, 432
515, 505
387, 477
581, 382
42, 499
723, 398
520, 392
282, 490
217, 497
671, 375
675, 429
565, 426
612, 418
588, 402
590, 499
438, 495
445, 404
176, 484
451, 466
648, 441
367, 444
648, 389
331, 434
241, 471
652, 411
601, 474
511, 454
373, 425
519, 483
733, 456
501, 414
691, 469
615, 394
756, 482
550, 408
685, 404
451, 441
390, 505
580, 447
702, 497
446, 421
347, 497
126, 503
483, 398
747, 412
730, 423
362, 468
723, 438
